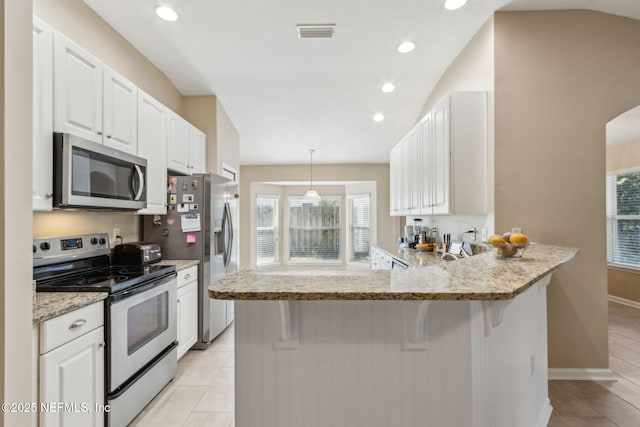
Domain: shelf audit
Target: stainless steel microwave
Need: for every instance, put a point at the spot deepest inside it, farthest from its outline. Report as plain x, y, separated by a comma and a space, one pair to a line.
90, 175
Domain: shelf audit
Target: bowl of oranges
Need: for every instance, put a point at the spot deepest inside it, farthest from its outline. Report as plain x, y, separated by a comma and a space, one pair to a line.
509, 245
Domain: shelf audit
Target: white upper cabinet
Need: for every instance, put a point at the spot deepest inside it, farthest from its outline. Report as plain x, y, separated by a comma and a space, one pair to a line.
446, 159
152, 145
197, 150
42, 191
120, 112
91, 100
187, 147
178, 144
77, 90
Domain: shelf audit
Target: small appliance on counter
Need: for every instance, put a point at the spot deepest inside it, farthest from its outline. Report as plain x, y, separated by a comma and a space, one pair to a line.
136, 253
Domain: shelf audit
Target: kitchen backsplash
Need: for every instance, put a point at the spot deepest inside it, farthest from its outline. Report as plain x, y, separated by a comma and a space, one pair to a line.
457, 224
66, 223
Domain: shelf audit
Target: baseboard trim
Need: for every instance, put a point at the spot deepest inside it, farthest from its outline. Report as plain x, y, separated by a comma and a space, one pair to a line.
630, 303
581, 374
545, 415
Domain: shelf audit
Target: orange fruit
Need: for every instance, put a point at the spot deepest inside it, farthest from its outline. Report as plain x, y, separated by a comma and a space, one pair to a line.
519, 239
497, 241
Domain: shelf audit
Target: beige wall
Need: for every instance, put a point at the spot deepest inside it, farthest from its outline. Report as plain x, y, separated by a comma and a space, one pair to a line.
623, 156
200, 111
386, 225
15, 251
227, 141
622, 283
560, 77
81, 24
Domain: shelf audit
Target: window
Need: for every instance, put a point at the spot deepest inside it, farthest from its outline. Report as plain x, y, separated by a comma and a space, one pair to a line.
359, 228
623, 219
266, 230
314, 230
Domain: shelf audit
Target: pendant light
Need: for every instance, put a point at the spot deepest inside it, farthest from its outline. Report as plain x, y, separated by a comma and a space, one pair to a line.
311, 194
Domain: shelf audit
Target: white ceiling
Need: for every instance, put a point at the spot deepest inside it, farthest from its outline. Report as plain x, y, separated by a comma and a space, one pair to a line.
286, 95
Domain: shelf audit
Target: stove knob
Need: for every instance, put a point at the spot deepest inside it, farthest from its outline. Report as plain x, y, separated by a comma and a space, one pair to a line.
34, 249
45, 246
103, 241
94, 241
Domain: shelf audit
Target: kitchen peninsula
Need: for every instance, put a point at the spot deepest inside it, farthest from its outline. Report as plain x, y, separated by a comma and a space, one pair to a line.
461, 343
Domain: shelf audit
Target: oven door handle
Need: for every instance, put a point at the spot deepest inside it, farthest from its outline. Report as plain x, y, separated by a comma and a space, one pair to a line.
142, 288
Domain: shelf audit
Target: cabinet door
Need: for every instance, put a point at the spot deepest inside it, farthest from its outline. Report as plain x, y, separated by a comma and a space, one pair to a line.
42, 190
152, 145
187, 317
120, 107
441, 158
197, 150
74, 374
178, 144
77, 90
395, 166
426, 155
414, 168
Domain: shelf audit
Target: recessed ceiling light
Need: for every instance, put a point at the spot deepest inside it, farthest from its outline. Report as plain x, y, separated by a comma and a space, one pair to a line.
166, 13
406, 47
388, 87
454, 4
378, 117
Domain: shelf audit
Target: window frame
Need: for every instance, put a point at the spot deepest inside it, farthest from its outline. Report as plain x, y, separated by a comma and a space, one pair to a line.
276, 228
349, 230
612, 218
339, 230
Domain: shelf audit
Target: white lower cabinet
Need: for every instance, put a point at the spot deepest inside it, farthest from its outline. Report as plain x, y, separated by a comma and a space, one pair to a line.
187, 313
71, 363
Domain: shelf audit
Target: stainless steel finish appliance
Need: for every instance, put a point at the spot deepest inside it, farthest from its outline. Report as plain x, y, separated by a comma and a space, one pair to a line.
137, 253
201, 224
90, 175
140, 313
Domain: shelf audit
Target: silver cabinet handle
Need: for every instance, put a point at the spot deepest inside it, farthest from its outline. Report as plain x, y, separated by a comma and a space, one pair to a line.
48, 195
178, 300
99, 133
77, 324
187, 276
109, 136
100, 344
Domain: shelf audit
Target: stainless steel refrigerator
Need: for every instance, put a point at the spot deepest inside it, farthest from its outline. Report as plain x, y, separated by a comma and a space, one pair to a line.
201, 224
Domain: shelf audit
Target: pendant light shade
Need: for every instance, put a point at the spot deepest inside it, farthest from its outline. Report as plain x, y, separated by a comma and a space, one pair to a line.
311, 194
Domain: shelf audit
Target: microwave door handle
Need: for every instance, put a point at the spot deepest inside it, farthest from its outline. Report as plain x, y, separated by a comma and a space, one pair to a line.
141, 179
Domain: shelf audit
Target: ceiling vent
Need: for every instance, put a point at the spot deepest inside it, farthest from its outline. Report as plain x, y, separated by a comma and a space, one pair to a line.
315, 31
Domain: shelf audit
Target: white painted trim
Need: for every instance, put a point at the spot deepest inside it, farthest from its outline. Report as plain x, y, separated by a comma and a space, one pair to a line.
630, 303
545, 415
586, 374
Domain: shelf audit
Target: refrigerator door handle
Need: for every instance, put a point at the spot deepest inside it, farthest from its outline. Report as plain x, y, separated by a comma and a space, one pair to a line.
229, 243
225, 224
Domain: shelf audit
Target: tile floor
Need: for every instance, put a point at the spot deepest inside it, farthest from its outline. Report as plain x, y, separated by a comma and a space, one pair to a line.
202, 392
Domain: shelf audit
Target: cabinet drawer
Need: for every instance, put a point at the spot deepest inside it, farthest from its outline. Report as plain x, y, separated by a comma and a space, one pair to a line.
187, 275
62, 329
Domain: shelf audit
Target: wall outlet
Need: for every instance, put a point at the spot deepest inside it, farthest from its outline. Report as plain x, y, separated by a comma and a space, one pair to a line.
483, 234
116, 233
516, 230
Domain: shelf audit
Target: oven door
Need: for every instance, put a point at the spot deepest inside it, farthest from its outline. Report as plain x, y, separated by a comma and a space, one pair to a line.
142, 323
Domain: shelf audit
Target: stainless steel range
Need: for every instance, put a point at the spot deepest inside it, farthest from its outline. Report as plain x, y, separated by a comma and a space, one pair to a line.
140, 315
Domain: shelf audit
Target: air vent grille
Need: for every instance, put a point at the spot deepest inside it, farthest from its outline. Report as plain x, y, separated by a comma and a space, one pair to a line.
316, 31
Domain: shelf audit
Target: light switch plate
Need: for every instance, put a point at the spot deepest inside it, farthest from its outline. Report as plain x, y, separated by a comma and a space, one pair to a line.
516, 230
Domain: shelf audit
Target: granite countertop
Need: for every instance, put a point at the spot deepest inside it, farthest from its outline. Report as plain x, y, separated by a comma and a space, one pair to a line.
52, 304
180, 264
481, 277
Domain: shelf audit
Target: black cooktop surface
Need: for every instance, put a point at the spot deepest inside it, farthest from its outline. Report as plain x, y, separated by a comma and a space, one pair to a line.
110, 279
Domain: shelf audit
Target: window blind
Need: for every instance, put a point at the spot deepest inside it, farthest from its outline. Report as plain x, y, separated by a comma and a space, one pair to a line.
359, 227
266, 230
314, 230
623, 218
